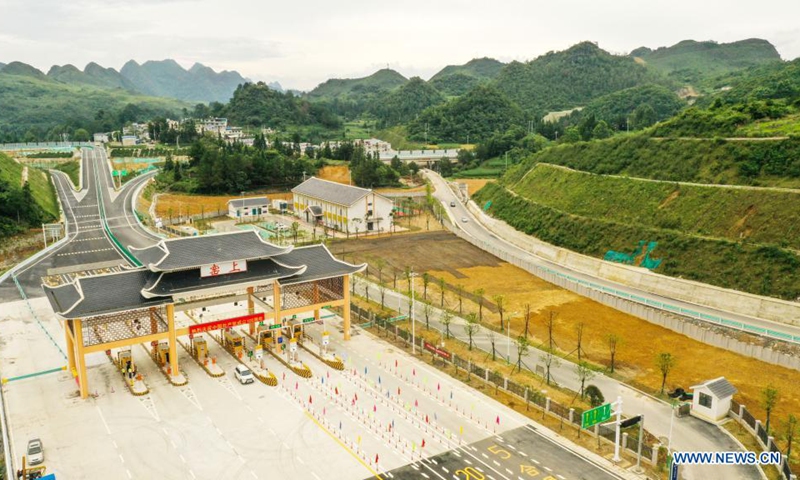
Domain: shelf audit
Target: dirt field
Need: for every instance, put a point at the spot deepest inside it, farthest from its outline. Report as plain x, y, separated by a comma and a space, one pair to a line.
194, 204
335, 173
474, 184
443, 255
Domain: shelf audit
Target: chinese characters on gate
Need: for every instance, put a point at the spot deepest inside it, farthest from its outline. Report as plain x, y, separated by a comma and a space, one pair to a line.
223, 268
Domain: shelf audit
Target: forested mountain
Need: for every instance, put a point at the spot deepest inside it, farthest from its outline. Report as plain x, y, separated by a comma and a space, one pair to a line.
350, 97
382, 81
36, 107
405, 103
571, 78
459, 79
2, 65
691, 62
168, 79
255, 104
635, 107
474, 116
93, 74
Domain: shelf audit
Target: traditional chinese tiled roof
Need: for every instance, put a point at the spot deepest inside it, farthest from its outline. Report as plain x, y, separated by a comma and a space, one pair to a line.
150, 286
191, 252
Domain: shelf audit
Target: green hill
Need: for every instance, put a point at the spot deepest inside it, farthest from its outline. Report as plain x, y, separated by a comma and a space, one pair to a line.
618, 108
21, 208
34, 104
459, 79
592, 215
692, 62
474, 116
405, 103
711, 161
255, 104
382, 81
571, 78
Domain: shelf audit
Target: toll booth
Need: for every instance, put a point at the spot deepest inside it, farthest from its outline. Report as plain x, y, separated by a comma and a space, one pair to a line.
234, 342
297, 331
125, 361
200, 349
266, 336
162, 354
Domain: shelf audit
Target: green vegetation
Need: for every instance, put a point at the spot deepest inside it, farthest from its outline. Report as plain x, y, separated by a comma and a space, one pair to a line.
24, 206
146, 152
36, 108
406, 102
49, 155
457, 80
166, 78
574, 77
625, 109
383, 80
255, 104
398, 137
692, 62
71, 168
474, 117
764, 163
764, 270
759, 216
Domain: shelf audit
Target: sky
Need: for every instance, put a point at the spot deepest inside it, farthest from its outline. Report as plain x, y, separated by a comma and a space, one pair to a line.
301, 43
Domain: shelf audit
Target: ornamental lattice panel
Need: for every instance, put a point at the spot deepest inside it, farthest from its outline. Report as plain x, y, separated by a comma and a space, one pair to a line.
123, 326
297, 295
331, 289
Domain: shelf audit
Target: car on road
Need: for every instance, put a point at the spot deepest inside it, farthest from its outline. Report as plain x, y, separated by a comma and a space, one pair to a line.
243, 374
35, 453
464, 219
452, 204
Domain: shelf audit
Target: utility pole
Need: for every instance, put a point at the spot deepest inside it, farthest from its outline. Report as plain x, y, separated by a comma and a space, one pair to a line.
618, 412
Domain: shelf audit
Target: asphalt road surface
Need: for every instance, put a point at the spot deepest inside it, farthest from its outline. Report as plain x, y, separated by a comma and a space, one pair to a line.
88, 247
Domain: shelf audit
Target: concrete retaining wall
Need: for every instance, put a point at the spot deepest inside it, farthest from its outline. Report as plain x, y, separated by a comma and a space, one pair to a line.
689, 291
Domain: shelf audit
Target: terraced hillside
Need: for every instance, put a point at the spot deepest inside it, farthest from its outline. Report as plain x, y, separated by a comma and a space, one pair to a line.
740, 238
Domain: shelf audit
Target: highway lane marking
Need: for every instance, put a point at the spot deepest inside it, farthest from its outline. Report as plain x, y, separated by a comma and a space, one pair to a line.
316, 476
129, 473
108, 430
373, 472
84, 251
87, 239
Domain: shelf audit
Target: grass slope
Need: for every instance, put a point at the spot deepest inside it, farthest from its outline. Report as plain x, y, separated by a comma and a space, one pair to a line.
43, 191
713, 161
763, 270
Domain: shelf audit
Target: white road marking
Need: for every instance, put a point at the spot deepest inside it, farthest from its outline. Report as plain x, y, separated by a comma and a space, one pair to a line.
253, 474
108, 430
316, 476
121, 458
300, 460
129, 473
182, 459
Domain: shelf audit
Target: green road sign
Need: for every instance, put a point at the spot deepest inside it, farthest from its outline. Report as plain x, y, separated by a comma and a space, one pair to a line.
275, 326
117, 173
308, 320
596, 415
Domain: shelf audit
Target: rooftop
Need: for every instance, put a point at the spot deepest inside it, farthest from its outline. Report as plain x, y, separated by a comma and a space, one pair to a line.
150, 286
720, 387
191, 252
332, 192
249, 202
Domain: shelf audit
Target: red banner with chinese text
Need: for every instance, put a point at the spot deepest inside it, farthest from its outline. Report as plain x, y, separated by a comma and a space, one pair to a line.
226, 323
438, 351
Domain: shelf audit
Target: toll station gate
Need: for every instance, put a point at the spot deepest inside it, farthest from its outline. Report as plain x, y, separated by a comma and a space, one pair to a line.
135, 306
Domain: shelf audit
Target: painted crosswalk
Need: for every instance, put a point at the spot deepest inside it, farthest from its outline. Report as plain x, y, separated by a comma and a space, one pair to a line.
85, 252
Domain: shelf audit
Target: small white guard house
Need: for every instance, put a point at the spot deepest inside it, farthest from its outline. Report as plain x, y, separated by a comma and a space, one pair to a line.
252, 207
342, 207
712, 399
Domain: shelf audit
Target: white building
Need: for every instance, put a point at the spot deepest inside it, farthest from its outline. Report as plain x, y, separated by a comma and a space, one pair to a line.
342, 207
129, 140
712, 400
249, 208
100, 138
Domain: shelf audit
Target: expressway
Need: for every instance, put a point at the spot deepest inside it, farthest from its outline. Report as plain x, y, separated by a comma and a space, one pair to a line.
486, 238
88, 247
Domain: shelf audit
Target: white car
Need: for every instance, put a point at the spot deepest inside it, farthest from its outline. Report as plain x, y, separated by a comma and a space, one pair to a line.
244, 374
464, 219
35, 453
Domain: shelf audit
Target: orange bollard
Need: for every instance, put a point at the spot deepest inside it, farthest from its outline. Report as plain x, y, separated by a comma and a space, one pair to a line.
213, 360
